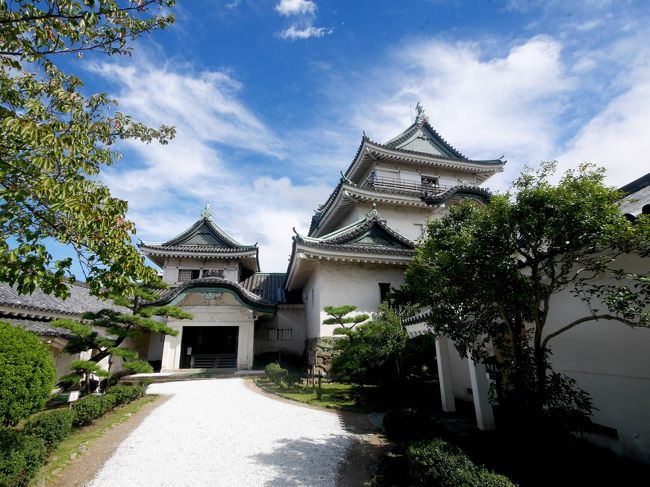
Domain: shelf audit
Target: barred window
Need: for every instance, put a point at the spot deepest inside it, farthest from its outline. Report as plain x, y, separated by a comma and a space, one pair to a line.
280, 334
185, 275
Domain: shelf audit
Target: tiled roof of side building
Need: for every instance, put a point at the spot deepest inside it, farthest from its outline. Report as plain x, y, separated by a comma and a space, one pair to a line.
270, 286
39, 327
79, 301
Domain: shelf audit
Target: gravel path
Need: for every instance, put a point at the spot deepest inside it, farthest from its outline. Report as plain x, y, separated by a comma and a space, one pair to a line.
219, 433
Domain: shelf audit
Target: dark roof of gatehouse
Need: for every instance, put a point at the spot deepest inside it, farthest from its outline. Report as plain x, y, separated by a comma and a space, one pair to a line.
270, 286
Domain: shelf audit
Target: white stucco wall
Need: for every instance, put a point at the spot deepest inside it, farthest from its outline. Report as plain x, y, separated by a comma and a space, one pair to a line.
611, 362
287, 317
340, 283
311, 296
230, 268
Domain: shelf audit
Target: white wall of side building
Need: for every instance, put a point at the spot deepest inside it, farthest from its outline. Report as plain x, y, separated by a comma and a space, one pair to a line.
230, 268
288, 317
610, 361
341, 283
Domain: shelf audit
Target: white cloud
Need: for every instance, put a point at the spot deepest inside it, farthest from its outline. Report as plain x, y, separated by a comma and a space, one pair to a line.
295, 31
617, 137
296, 7
485, 105
167, 186
303, 27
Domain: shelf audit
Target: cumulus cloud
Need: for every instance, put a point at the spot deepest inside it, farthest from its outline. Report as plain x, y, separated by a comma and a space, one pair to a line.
302, 27
296, 7
486, 105
167, 186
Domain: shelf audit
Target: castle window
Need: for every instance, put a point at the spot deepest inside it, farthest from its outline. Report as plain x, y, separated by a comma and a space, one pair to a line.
384, 290
185, 275
280, 334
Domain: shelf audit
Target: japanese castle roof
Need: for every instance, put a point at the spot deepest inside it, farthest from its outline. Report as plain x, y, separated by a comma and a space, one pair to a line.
204, 239
421, 145
212, 283
368, 240
370, 234
637, 199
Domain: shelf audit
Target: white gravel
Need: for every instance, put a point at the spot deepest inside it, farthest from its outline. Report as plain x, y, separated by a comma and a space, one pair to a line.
219, 433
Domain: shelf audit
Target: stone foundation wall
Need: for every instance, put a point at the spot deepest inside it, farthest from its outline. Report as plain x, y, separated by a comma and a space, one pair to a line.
320, 354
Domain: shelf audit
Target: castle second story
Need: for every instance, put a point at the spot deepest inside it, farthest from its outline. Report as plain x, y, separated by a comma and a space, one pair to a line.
414, 176
202, 250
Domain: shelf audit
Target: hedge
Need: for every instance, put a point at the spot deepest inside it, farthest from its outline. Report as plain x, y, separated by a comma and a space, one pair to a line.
51, 426
21, 456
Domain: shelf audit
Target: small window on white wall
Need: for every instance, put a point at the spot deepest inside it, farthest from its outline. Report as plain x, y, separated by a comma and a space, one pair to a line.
280, 334
185, 275
384, 291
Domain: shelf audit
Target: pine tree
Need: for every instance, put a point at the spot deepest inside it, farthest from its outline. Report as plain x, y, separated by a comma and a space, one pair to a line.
131, 317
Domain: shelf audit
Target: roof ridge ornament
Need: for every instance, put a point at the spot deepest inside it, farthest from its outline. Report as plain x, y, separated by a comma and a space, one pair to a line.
421, 116
372, 213
207, 212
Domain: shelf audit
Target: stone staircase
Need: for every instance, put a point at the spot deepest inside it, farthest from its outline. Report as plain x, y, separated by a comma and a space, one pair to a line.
214, 361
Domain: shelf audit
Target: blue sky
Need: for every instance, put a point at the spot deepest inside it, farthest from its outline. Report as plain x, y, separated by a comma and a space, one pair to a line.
270, 99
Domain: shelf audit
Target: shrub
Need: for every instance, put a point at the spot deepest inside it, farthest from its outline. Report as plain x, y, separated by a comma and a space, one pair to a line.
51, 426
125, 393
489, 479
276, 374
439, 463
21, 456
27, 374
109, 401
86, 410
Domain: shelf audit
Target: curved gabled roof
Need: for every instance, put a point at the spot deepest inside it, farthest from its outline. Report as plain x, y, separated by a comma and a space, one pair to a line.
247, 297
204, 233
367, 234
419, 144
204, 239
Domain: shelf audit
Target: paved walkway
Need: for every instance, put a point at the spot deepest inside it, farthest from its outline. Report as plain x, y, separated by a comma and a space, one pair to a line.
220, 433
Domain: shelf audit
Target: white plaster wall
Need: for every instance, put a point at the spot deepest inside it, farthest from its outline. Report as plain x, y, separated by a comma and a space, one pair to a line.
155, 350
229, 267
610, 361
349, 283
311, 296
286, 317
408, 172
460, 379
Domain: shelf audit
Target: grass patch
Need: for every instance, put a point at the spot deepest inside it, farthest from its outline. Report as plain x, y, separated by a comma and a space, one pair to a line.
334, 395
80, 440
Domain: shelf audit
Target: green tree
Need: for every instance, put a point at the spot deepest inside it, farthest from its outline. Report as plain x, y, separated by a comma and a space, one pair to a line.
136, 317
489, 275
27, 374
54, 140
373, 350
339, 316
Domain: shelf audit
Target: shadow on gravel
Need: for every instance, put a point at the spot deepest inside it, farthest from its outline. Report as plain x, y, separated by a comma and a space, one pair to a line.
305, 461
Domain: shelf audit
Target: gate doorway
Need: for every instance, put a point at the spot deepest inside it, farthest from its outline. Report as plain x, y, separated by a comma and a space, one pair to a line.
209, 347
